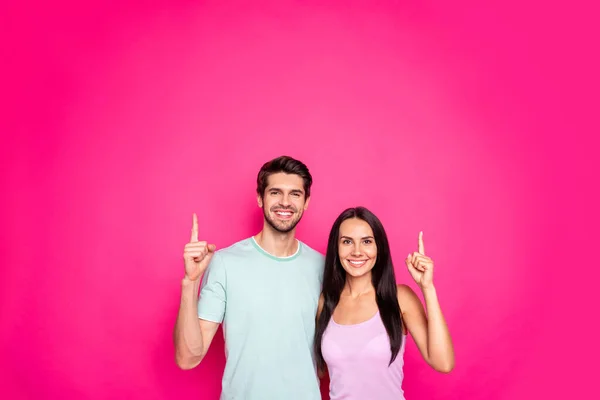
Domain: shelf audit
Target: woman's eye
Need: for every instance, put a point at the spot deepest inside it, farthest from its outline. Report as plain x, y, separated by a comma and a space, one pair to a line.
368, 241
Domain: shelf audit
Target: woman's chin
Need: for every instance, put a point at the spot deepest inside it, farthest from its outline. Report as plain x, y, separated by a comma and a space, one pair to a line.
357, 272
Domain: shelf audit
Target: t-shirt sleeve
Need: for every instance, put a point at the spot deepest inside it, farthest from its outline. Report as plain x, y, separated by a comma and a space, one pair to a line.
213, 292
321, 268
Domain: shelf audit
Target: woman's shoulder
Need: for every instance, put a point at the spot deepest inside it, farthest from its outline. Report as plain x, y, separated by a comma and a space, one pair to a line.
404, 290
406, 296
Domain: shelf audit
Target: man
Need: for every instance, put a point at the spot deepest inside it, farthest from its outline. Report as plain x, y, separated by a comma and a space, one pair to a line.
264, 289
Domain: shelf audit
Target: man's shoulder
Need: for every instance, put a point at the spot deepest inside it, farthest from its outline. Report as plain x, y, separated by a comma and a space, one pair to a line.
236, 249
310, 253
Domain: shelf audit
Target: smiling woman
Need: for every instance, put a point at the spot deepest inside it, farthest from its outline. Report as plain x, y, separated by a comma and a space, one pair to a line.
357, 247
364, 317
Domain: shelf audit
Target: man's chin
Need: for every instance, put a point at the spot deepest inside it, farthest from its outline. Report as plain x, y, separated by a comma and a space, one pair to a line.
283, 228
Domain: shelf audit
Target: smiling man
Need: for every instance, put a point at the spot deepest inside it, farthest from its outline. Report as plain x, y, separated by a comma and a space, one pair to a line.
264, 289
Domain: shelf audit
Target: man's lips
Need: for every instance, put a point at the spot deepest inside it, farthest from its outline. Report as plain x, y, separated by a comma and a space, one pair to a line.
284, 214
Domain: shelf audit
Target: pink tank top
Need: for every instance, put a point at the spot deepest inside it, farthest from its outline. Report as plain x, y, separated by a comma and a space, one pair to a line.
357, 358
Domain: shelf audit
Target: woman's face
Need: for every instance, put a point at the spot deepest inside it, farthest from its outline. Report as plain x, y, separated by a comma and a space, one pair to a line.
356, 247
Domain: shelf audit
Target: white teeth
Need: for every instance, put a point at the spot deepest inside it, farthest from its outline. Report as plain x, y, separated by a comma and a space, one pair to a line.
357, 262
287, 214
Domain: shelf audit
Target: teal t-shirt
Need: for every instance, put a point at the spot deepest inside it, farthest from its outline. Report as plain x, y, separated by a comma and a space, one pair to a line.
267, 305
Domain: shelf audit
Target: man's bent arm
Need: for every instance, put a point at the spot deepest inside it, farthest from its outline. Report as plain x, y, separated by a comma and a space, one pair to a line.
192, 335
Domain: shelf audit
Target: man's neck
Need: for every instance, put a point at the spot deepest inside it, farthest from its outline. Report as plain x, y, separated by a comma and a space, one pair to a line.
276, 243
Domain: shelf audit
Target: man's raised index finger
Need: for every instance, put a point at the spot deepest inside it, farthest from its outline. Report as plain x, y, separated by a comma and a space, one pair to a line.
194, 228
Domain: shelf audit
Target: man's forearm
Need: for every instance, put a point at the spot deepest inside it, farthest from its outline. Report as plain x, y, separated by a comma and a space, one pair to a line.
189, 349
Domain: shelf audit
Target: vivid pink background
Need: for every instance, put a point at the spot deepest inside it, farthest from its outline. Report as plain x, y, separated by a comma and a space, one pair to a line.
472, 122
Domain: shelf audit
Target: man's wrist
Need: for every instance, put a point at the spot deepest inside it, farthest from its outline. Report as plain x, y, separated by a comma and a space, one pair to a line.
186, 281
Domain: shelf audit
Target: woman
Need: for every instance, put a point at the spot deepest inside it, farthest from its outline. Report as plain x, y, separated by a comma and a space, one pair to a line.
364, 317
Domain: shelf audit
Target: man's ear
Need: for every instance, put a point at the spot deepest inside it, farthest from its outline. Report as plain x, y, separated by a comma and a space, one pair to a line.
259, 200
306, 203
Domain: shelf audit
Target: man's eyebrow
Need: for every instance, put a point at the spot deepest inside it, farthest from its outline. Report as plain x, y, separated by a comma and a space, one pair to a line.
275, 188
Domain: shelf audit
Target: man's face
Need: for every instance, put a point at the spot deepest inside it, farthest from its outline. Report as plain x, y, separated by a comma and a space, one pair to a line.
283, 201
